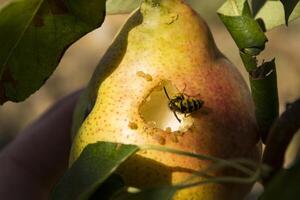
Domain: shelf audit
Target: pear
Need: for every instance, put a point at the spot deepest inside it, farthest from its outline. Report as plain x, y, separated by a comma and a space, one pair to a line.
166, 45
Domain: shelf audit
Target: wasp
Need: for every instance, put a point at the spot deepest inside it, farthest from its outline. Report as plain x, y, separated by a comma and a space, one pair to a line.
183, 103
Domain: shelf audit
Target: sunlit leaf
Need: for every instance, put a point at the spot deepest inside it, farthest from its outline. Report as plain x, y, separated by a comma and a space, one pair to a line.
245, 31
34, 34
273, 13
121, 6
235, 8
250, 38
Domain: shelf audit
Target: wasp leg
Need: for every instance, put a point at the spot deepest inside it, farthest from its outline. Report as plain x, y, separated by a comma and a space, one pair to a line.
177, 117
166, 93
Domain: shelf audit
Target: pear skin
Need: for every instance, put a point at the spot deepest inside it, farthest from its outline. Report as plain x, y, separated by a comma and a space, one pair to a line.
166, 43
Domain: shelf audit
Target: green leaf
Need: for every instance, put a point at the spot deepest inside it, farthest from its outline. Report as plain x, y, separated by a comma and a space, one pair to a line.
95, 164
34, 35
235, 8
272, 13
263, 82
121, 6
245, 31
250, 38
285, 185
289, 6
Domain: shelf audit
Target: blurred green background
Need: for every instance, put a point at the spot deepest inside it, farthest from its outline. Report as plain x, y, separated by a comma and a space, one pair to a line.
82, 57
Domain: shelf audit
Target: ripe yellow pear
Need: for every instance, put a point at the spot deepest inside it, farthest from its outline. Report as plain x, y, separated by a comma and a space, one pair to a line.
166, 44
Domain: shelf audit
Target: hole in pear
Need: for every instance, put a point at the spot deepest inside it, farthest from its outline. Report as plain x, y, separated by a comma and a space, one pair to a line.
157, 114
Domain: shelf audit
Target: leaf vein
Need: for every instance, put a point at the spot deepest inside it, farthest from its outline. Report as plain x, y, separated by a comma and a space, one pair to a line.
20, 38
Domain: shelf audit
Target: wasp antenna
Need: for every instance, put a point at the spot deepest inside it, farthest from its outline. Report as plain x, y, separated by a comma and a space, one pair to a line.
177, 117
166, 93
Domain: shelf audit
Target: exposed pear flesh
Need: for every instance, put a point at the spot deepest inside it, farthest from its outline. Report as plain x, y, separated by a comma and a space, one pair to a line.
165, 43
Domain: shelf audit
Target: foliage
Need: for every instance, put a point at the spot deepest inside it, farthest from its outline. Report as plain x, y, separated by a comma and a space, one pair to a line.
34, 35
96, 163
285, 185
250, 38
25, 63
274, 13
91, 175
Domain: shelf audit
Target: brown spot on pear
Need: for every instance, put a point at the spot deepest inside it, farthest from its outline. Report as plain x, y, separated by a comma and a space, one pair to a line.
132, 125
184, 53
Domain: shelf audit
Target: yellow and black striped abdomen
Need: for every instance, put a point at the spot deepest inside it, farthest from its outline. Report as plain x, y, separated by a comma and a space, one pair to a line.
186, 105
190, 105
